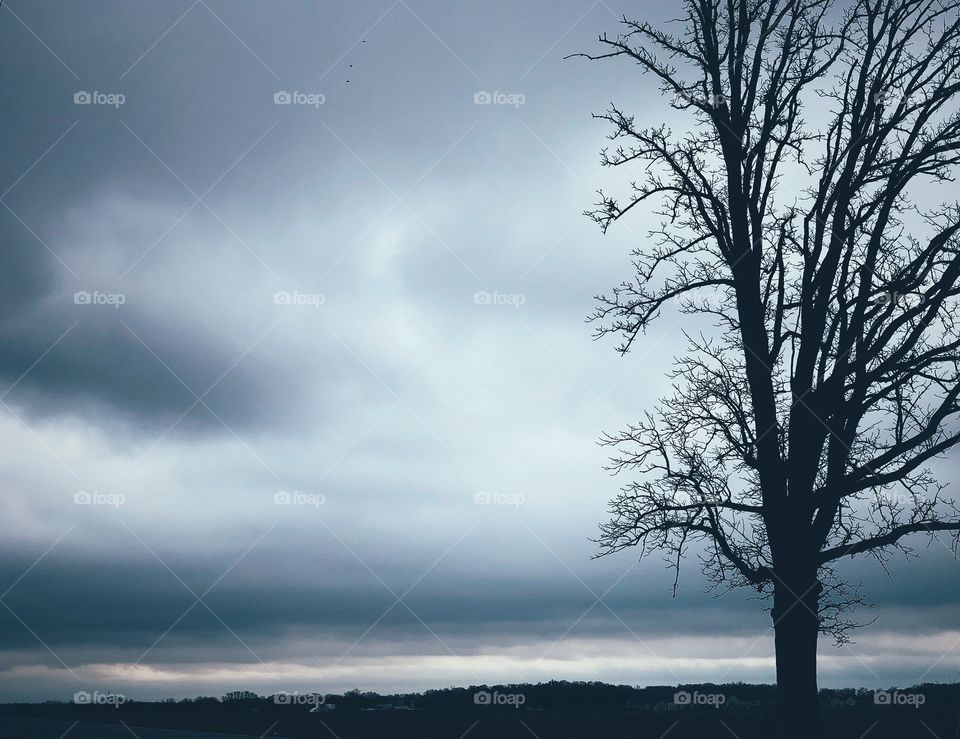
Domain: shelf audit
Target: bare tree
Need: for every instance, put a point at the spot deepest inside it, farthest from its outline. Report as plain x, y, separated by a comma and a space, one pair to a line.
805, 213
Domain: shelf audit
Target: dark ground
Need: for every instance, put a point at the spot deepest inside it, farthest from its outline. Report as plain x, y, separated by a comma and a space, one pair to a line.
32, 728
475, 724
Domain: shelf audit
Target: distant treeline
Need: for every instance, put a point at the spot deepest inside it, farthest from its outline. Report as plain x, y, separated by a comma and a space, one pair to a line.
556, 695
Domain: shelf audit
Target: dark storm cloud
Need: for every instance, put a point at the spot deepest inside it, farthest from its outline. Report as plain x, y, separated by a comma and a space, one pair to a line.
196, 106
109, 362
86, 603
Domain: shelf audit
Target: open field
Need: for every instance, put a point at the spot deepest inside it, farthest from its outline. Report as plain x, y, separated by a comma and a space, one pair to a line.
899, 724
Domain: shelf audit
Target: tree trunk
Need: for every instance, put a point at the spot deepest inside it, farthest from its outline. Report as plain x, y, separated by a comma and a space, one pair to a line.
796, 627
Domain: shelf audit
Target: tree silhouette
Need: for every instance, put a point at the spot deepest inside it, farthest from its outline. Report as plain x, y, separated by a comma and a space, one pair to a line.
806, 230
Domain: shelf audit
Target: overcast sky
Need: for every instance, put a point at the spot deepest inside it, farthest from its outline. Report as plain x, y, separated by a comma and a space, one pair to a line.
297, 389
